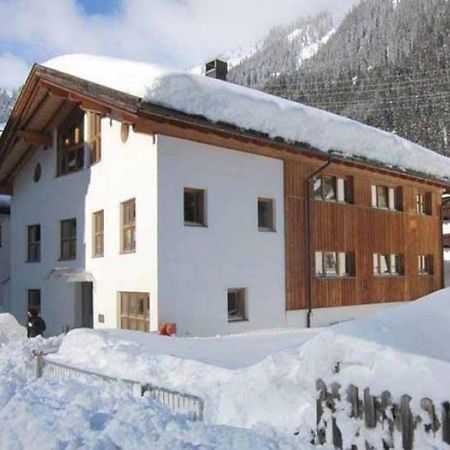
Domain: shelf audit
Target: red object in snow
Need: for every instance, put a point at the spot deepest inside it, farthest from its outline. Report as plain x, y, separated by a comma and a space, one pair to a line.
171, 329
163, 329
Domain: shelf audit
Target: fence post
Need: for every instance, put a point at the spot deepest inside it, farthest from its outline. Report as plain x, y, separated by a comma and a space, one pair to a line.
446, 422
321, 399
407, 423
38, 364
387, 417
335, 399
427, 405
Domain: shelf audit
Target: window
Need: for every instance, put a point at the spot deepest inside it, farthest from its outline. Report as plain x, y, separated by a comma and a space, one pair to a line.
1, 236
423, 202
34, 299
68, 239
135, 311
194, 207
385, 197
95, 140
266, 219
37, 173
34, 243
335, 264
330, 188
98, 227
71, 144
237, 305
387, 264
128, 237
425, 264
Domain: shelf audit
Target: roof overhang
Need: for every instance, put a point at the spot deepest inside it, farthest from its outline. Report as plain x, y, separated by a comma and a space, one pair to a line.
48, 96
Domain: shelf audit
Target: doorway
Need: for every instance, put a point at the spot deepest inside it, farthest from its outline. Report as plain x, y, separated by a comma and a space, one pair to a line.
87, 305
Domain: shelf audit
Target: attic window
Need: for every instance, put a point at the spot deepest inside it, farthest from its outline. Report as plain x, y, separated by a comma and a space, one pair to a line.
71, 144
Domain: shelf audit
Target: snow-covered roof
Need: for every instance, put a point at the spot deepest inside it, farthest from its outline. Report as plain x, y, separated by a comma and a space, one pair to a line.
252, 110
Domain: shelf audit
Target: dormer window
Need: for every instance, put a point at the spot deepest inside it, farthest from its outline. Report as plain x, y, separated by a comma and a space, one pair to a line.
71, 144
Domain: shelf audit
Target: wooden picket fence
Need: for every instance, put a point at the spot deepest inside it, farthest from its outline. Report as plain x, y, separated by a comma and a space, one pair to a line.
394, 420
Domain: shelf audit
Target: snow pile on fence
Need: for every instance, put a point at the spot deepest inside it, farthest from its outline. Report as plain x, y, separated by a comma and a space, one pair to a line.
10, 330
252, 110
47, 414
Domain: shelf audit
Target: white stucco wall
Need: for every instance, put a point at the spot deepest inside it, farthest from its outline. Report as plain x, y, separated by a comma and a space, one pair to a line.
47, 202
125, 171
5, 262
196, 265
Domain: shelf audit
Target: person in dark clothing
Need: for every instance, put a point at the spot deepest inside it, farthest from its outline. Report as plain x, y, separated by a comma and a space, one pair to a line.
36, 325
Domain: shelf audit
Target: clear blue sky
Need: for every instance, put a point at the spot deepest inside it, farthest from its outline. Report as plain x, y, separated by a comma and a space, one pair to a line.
103, 7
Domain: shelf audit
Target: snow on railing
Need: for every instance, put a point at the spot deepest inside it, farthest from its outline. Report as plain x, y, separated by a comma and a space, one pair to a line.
179, 402
360, 420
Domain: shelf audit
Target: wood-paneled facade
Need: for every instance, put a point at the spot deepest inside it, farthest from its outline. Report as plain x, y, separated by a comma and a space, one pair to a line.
363, 229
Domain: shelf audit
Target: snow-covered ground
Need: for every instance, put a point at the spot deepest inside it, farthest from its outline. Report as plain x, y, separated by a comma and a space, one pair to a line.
259, 388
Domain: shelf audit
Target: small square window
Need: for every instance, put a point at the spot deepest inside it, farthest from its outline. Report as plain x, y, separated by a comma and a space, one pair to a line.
266, 220
334, 264
237, 305
387, 264
194, 207
423, 202
34, 243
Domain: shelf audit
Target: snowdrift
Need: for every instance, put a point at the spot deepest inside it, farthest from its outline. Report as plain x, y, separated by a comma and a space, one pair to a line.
403, 349
10, 330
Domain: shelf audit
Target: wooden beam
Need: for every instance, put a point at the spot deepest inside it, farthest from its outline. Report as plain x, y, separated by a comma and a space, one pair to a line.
95, 107
35, 138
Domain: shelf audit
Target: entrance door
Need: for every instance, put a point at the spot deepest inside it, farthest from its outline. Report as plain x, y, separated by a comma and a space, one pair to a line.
87, 306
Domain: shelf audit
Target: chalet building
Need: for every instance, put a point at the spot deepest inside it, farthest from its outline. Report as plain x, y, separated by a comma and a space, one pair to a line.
142, 196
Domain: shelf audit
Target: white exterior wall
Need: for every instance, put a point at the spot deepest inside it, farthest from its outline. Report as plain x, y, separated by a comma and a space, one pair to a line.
125, 171
196, 265
5, 255
47, 202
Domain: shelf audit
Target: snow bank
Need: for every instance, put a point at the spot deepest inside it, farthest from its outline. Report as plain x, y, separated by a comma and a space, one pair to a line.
403, 350
10, 330
249, 109
46, 414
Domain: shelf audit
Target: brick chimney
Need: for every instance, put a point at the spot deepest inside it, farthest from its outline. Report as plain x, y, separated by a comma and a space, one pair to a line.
217, 69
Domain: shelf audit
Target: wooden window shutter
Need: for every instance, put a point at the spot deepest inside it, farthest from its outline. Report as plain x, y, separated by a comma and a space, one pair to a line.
391, 198
341, 190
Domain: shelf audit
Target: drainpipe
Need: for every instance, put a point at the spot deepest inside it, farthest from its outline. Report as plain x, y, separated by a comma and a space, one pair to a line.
445, 200
309, 240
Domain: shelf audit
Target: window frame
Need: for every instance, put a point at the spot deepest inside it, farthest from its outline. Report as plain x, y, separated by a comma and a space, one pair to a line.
200, 207
242, 315
271, 213
94, 121
392, 195
125, 315
126, 227
33, 244
30, 300
342, 188
345, 266
394, 263
424, 203
70, 240
425, 264
75, 121
98, 235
